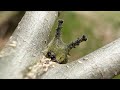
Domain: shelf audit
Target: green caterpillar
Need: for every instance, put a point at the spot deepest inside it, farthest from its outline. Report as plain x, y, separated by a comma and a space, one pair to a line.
57, 50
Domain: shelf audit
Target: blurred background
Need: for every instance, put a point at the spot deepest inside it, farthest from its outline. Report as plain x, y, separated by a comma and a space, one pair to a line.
101, 28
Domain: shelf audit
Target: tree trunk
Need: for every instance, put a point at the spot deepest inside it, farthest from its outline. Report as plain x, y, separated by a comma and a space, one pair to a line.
26, 43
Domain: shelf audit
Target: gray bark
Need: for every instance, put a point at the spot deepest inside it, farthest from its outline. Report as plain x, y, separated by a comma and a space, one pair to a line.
26, 43
103, 63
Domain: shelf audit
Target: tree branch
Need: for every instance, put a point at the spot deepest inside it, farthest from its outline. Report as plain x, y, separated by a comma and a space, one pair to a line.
103, 63
26, 43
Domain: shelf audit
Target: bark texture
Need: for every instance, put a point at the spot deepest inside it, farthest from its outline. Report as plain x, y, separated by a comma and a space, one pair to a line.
26, 43
103, 63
